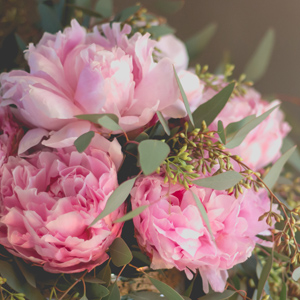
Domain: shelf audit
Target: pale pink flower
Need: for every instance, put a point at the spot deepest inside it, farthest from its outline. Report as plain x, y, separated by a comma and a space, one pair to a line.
174, 234
262, 145
47, 203
74, 72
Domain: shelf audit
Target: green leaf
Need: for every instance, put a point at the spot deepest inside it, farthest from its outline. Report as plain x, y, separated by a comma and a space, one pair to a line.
49, 19
151, 155
82, 142
160, 30
218, 296
21, 44
197, 43
17, 282
84, 298
109, 123
126, 13
105, 274
188, 291
259, 62
94, 118
184, 98
114, 293
86, 11
209, 110
163, 122
142, 257
59, 8
264, 276
296, 274
116, 199
221, 132
203, 214
26, 271
95, 291
273, 174
166, 290
131, 214
120, 253
283, 293
221, 181
234, 127
294, 160
169, 7
239, 136
104, 7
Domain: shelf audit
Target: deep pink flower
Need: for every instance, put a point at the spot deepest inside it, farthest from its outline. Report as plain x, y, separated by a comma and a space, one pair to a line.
47, 203
74, 72
173, 233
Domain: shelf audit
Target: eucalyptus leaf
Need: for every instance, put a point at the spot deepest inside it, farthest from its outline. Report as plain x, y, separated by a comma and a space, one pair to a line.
221, 132
218, 296
96, 291
26, 271
105, 274
188, 291
145, 296
152, 153
84, 298
296, 274
109, 123
166, 290
264, 276
95, 117
120, 253
160, 30
83, 141
294, 160
221, 181
131, 214
86, 11
49, 19
163, 122
116, 199
184, 98
234, 127
104, 7
259, 62
93, 279
209, 110
59, 8
114, 293
273, 174
132, 147
17, 281
21, 44
126, 13
240, 135
142, 257
283, 293
203, 214
197, 43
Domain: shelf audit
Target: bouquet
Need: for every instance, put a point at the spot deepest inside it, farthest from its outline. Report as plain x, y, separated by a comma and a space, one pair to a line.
126, 175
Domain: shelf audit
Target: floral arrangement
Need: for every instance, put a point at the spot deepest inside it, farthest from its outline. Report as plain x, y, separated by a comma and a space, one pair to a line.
122, 167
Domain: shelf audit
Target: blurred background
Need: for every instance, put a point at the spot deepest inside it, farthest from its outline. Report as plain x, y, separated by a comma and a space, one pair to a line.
238, 26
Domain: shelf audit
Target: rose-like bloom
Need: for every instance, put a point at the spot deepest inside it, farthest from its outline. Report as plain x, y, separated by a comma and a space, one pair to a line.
174, 234
74, 72
262, 145
10, 134
47, 203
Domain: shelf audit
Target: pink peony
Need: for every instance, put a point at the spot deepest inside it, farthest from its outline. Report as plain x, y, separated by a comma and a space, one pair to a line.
10, 134
74, 72
173, 233
47, 203
262, 145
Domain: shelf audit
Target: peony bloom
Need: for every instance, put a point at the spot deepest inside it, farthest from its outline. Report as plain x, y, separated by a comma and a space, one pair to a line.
47, 203
74, 72
262, 145
173, 233
10, 134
